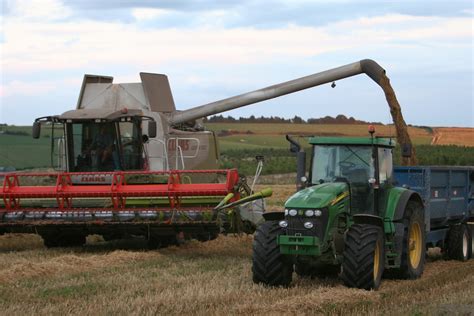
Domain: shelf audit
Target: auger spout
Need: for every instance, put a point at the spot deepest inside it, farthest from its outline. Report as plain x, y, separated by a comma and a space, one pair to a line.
367, 66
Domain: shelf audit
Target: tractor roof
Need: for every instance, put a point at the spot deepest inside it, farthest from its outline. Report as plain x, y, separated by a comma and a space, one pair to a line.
377, 141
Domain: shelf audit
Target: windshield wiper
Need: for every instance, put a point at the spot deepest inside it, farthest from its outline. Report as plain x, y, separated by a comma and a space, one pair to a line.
355, 154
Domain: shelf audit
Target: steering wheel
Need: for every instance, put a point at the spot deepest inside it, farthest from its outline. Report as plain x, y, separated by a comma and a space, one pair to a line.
347, 164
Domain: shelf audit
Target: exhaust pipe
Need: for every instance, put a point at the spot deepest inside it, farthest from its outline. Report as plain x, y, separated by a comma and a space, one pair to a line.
300, 162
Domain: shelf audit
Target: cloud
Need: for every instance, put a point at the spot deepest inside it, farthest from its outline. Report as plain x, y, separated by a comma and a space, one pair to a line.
56, 43
224, 49
143, 14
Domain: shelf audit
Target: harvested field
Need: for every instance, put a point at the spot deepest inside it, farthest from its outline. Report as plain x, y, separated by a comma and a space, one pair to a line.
203, 278
196, 278
453, 136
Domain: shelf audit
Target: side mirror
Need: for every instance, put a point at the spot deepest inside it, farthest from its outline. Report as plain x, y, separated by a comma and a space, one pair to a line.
406, 150
36, 130
294, 148
151, 129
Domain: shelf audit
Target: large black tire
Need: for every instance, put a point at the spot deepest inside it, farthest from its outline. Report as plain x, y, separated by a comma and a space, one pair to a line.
303, 269
458, 244
269, 266
412, 266
363, 257
63, 240
158, 241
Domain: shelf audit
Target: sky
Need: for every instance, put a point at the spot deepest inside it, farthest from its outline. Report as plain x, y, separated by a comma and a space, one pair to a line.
212, 50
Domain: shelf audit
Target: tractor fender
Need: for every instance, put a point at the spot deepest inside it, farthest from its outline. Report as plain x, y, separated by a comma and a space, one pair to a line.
273, 216
406, 196
368, 219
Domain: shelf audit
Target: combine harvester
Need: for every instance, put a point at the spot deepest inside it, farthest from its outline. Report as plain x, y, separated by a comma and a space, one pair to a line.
128, 163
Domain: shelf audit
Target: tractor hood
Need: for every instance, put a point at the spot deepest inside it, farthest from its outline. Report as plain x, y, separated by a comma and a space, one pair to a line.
317, 196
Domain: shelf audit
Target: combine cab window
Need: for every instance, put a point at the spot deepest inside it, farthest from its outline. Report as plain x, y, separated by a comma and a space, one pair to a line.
104, 146
130, 146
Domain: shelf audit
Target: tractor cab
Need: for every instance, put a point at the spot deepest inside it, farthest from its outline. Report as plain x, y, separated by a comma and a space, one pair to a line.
364, 163
89, 141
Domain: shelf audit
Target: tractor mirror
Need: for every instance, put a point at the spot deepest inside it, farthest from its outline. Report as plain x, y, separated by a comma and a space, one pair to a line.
294, 148
36, 129
406, 150
151, 129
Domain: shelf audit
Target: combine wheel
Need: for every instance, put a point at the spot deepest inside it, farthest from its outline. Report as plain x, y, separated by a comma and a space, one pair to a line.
64, 240
459, 243
364, 257
156, 242
413, 248
269, 266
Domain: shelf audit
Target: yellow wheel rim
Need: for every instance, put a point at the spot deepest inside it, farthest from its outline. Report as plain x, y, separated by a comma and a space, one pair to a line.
376, 260
415, 245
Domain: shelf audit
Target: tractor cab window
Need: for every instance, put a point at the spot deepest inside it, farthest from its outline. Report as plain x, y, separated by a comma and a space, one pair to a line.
352, 163
385, 164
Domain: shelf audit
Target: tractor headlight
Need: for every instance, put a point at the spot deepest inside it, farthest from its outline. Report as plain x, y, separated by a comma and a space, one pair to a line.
318, 213
309, 213
293, 212
283, 224
308, 225
286, 212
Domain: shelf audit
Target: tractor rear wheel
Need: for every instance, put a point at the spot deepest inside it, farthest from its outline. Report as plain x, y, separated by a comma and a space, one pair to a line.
459, 243
269, 266
413, 247
363, 257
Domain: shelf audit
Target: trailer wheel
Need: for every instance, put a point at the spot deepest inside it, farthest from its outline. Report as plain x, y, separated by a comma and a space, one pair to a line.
269, 266
363, 257
414, 245
459, 243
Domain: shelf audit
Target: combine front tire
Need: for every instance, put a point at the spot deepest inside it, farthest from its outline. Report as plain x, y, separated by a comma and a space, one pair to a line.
269, 266
459, 243
63, 240
413, 248
364, 257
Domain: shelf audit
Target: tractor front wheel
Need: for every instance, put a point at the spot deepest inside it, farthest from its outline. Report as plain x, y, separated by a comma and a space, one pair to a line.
269, 266
363, 257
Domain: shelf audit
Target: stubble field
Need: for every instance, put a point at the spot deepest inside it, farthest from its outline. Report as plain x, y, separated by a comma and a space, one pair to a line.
121, 278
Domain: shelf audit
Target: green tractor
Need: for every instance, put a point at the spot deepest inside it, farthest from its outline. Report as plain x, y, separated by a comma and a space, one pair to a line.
347, 217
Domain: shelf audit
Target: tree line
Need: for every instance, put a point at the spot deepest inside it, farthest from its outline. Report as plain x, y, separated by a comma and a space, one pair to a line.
339, 119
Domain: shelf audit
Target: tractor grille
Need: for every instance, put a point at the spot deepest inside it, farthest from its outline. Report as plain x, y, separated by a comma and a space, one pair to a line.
296, 225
